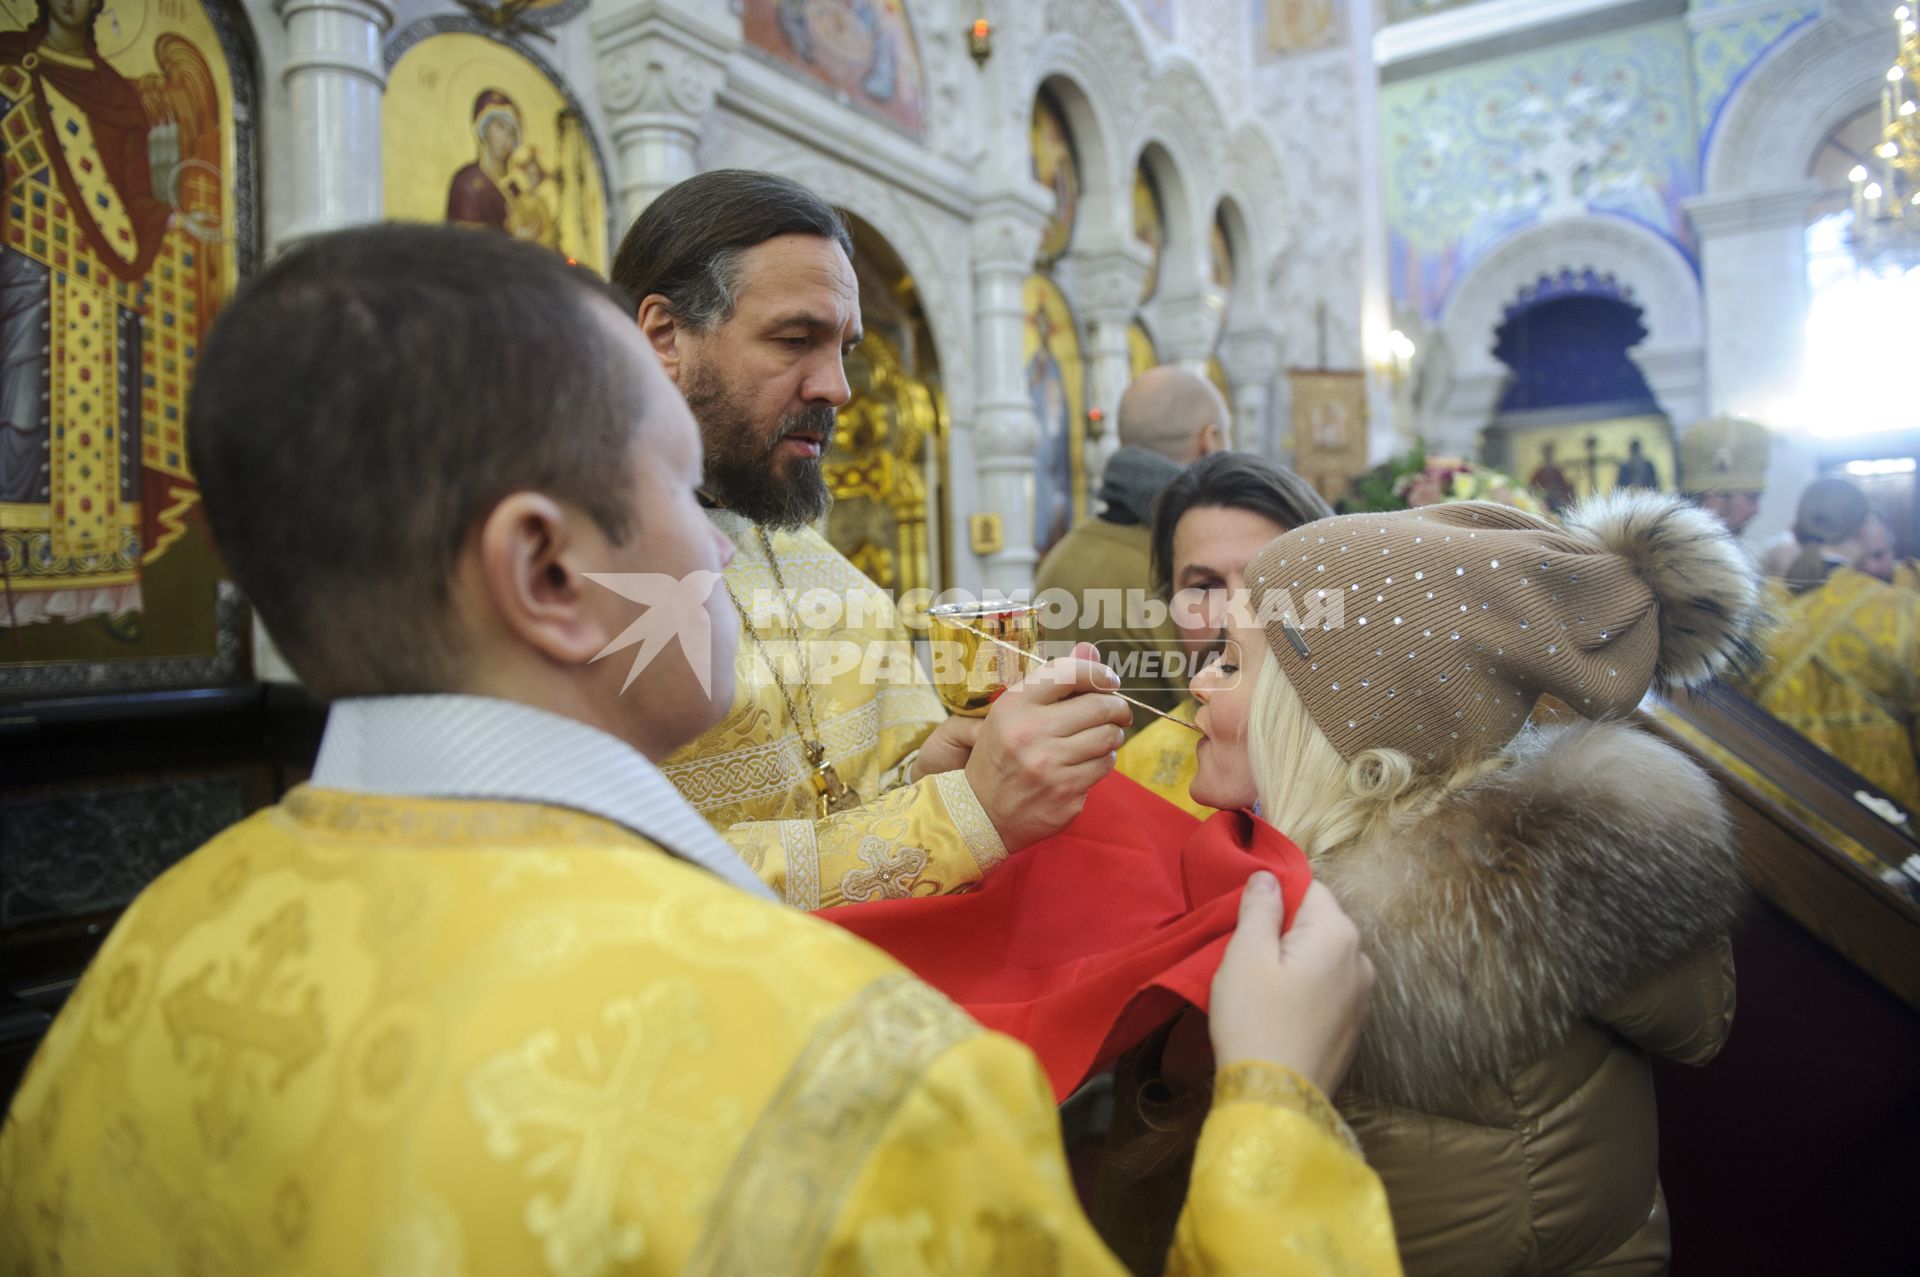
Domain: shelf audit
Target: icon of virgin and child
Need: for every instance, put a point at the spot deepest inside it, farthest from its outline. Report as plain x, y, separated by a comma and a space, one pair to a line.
494, 191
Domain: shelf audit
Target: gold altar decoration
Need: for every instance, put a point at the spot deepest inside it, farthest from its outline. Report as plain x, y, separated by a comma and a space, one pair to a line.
892, 429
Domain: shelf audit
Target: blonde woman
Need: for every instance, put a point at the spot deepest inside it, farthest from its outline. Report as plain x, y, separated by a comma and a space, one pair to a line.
1543, 907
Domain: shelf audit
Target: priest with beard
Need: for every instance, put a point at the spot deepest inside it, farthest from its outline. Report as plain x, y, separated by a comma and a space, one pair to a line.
836, 774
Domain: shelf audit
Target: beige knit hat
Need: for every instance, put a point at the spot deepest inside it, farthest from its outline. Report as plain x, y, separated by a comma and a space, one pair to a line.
1434, 630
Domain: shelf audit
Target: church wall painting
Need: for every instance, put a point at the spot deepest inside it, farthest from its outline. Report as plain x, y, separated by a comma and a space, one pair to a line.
129, 216
1056, 167
1142, 354
1284, 27
1056, 383
1219, 261
862, 50
1329, 439
1601, 126
476, 133
1723, 54
1149, 227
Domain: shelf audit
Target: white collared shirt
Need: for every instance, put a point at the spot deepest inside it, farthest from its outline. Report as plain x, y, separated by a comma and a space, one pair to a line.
480, 747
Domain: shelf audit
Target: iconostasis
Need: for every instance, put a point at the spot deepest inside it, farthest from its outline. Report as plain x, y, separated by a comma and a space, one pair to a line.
130, 214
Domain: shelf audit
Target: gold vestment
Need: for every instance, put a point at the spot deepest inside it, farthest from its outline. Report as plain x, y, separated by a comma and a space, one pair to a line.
850, 670
1162, 757
417, 1037
1843, 669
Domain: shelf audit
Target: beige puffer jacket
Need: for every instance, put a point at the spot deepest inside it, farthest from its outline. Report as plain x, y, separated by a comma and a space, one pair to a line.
1534, 939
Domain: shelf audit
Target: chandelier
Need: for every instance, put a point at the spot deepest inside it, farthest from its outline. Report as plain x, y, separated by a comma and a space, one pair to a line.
1886, 194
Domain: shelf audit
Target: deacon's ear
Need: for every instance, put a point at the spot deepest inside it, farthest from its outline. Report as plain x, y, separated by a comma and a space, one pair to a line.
530, 551
662, 332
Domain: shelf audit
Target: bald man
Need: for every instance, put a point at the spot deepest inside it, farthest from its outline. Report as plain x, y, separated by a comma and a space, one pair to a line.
1168, 418
1174, 413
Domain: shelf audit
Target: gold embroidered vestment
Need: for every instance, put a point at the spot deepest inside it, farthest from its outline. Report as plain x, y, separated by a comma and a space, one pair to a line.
429, 1037
836, 637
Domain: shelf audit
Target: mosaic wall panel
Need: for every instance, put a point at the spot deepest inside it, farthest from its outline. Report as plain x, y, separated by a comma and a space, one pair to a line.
1723, 55
1475, 153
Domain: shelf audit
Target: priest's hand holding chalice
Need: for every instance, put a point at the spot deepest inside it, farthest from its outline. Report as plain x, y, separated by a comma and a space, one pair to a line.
1033, 736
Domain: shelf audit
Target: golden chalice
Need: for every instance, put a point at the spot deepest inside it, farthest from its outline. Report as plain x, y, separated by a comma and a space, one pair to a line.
969, 667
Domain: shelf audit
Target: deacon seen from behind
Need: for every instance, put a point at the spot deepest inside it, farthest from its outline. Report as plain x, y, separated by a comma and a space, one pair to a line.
486, 995
835, 773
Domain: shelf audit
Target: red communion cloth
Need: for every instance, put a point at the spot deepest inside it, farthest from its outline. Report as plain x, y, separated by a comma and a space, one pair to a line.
1084, 943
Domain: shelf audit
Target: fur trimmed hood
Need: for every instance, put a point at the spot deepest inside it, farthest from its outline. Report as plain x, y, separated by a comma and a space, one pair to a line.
1529, 900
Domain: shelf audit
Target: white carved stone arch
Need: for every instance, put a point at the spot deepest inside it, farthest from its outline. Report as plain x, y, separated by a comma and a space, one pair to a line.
1751, 223
1656, 274
1177, 201
1772, 125
1088, 81
1246, 303
1255, 181
1100, 46
1183, 116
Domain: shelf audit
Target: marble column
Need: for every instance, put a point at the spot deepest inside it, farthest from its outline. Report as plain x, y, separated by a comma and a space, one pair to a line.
1006, 234
1753, 274
1251, 357
1753, 267
1107, 288
661, 65
335, 81
1190, 330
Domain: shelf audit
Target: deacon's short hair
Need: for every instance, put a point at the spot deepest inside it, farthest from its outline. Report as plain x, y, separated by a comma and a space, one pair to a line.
688, 244
365, 401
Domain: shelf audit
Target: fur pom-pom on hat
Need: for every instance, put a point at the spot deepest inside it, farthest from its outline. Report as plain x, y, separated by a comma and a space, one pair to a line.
1706, 588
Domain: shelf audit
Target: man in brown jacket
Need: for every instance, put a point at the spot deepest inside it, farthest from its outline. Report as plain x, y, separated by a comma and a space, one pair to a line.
1168, 418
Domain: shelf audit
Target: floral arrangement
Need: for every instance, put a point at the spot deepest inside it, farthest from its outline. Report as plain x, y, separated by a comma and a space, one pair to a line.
1415, 479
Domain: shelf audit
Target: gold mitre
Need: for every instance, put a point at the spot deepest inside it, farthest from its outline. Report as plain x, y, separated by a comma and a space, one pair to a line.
1725, 454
